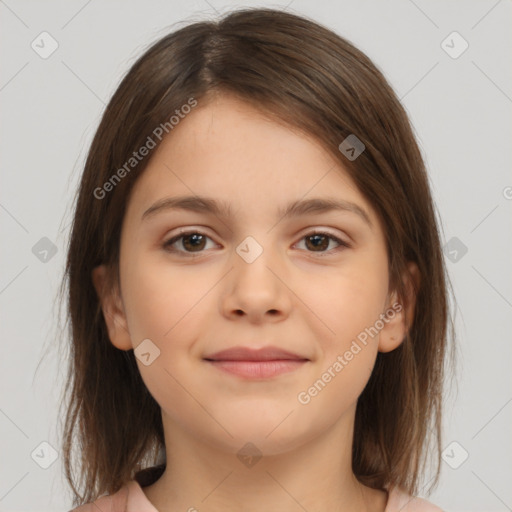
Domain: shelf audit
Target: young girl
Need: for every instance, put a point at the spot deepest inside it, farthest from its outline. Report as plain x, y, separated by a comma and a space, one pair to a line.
257, 293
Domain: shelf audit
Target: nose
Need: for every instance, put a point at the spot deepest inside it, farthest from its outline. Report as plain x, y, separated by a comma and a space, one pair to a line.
256, 289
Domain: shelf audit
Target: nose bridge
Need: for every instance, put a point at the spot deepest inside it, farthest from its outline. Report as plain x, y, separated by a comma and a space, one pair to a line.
254, 254
256, 288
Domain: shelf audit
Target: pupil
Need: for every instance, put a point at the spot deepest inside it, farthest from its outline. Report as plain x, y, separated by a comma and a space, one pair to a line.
197, 240
319, 238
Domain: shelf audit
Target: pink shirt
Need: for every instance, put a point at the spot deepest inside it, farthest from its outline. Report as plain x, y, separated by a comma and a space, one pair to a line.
131, 498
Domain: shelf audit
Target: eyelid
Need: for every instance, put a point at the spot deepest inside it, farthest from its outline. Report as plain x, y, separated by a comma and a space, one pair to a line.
328, 232
342, 243
181, 234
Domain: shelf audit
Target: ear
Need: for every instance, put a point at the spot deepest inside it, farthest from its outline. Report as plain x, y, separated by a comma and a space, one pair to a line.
400, 313
112, 307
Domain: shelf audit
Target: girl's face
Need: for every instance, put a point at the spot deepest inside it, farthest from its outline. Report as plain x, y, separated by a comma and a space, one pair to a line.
251, 277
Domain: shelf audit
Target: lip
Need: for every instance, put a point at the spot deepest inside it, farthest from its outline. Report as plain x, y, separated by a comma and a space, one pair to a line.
250, 354
261, 363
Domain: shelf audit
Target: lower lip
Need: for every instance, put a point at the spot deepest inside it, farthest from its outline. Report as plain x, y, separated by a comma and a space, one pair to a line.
259, 369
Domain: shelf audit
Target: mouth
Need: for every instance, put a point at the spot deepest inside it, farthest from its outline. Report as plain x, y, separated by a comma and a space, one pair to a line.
263, 363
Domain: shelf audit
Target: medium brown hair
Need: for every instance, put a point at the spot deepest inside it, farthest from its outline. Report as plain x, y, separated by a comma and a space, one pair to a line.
306, 76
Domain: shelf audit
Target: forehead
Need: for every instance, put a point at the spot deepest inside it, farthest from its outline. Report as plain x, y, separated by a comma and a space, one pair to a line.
227, 149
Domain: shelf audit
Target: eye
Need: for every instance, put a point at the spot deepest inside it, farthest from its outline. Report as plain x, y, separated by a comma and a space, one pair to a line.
319, 241
195, 242
191, 241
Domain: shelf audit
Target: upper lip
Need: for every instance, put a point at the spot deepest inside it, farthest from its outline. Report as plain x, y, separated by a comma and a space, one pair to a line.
250, 354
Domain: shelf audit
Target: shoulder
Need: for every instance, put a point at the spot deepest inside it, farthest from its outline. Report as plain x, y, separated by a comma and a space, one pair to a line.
129, 498
116, 502
399, 501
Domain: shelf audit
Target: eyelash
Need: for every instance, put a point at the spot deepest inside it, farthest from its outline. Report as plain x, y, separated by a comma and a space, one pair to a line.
167, 245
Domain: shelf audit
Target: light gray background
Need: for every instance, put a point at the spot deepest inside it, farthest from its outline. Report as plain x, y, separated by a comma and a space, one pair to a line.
461, 111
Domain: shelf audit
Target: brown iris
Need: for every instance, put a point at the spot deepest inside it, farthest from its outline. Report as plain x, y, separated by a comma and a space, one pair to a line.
197, 241
317, 241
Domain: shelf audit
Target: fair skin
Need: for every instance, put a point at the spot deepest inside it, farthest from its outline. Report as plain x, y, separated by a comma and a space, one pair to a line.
204, 297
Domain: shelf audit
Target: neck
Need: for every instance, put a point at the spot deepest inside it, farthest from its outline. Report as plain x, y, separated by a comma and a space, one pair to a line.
316, 475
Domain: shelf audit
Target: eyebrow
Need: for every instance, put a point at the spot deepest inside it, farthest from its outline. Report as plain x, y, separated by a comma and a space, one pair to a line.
201, 204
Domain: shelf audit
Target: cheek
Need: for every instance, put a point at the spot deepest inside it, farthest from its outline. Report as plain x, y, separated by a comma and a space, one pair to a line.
348, 300
161, 300
334, 391
351, 308
164, 305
